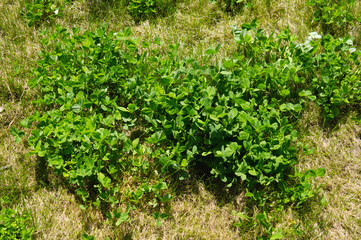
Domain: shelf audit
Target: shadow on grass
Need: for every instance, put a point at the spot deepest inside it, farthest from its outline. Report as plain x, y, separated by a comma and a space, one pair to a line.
223, 194
309, 214
101, 10
48, 179
314, 117
331, 125
14, 183
313, 220
127, 236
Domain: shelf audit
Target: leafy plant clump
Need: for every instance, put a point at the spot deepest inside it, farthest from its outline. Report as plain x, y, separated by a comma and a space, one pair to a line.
38, 11
14, 225
88, 125
334, 16
145, 9
231, 5
323, 69
116, 117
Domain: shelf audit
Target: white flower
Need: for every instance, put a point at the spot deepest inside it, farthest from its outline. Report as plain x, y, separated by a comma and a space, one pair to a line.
314, 35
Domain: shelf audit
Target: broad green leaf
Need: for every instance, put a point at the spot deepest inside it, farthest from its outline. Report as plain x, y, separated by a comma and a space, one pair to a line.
18, 135
240, 174
76, 108
226, 73
135, 143
156, 137
210, 51
122, 109
285, 92
124, 217
26, 123
228, 64
305, 93
243, 135
276, 235
233, 113
87, 43
321, 172
105, 181
166, 198
253, 172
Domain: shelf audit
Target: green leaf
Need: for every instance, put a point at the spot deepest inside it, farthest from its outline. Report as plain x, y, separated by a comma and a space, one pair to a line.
87, 237
243, 135
105, 181
276, 235
226, 73
233, 113
132, 107
228, 64
26, 123
285, 92
253, 172
17, 134
76, 108
87, 43
240, 174
166, 198
207, 102
305, 93
224, 153
312, 97
135, 143
57, 161
321, 172
122, 109
210, 51
156, 137
124, 217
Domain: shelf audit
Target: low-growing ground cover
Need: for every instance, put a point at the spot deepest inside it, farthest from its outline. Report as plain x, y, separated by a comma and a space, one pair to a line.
154, 115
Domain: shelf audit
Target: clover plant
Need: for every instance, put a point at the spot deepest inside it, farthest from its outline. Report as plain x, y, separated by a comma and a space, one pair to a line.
334, 16
38, 11
13, 224
116, 117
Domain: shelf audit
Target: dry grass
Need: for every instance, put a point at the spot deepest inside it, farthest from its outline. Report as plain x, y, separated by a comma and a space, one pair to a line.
196, 214
339, 152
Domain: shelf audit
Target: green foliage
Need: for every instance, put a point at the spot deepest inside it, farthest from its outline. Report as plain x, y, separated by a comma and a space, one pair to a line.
113, 109
335, 76
141, 9
14, 225
16, 134
322, 69
230, 5
333, 15
88, 85
38, 11
263, 220
145, 9
87, 237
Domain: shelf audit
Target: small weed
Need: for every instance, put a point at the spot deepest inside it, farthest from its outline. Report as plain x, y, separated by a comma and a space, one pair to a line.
38, 11
146, 9
13, 224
